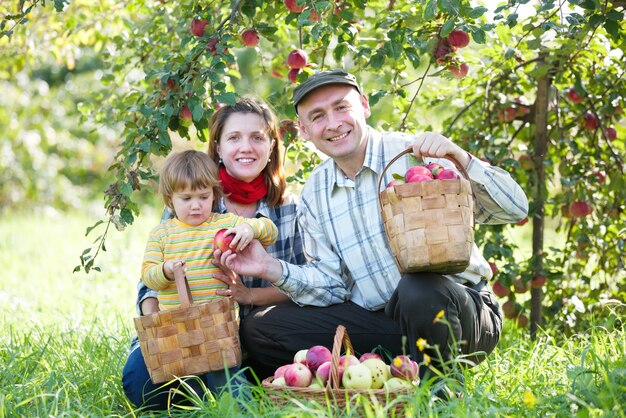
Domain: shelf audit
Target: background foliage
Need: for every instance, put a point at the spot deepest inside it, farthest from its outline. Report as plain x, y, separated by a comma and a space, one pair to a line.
88, 89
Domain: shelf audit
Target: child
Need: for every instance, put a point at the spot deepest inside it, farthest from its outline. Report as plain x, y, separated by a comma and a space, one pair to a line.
189, 184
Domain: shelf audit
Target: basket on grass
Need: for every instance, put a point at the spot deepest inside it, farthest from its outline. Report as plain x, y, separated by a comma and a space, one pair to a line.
193, 339
430, 224
332, 393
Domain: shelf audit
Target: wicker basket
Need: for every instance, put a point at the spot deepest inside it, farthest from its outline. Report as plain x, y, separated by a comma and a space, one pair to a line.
193, 339
429, 225
331, 394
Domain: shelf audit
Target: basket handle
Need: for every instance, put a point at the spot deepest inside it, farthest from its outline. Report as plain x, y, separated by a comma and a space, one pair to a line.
182, 287
407, 151
341, 338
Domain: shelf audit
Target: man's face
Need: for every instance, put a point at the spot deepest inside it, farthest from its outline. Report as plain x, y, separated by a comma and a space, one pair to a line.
333, 118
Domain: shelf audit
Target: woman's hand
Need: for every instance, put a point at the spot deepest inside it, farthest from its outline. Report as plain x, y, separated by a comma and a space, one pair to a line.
236, 288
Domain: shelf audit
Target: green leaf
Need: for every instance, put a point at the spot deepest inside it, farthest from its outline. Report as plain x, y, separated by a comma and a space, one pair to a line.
377, 60
340, 50
612, 28
91, 228
430, 10
479, 36
127, 216
588, 5
477, 12
413, 56
447, 28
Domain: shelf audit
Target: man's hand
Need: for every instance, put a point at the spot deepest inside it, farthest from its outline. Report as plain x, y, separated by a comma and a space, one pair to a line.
253, 261
430, 144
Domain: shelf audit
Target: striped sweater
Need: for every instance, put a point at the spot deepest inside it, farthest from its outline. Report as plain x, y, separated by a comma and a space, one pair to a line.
174, 240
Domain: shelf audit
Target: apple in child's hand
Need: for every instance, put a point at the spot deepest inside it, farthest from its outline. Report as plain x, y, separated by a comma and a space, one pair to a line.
403, 366
416, 170
222, 242
357, 376
379, 370
317, 355
322, 372
447, 174
298, 375
300, 357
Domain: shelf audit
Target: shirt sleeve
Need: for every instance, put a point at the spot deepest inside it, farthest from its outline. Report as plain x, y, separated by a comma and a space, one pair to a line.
318, 283
498, 198
152, 267
264, 230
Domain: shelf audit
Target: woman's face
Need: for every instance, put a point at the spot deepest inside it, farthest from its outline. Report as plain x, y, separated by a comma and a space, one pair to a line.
245, 145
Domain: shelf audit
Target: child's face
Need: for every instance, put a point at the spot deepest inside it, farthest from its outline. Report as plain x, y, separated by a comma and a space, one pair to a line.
193, 207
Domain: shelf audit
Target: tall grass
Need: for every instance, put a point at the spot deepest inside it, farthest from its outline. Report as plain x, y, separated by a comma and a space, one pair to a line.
64, 339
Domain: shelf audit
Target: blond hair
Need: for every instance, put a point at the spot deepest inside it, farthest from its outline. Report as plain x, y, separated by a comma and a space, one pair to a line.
188, 169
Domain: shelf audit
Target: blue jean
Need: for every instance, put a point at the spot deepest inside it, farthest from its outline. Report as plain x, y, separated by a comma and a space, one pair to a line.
141, 392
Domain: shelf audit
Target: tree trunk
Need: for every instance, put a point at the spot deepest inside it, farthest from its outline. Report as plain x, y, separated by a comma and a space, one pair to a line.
541, 143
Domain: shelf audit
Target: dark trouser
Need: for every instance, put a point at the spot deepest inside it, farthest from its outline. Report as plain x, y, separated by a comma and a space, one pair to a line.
273, 334
141, 392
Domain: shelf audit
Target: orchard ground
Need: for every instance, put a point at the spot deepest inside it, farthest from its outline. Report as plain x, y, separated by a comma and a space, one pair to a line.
65, 337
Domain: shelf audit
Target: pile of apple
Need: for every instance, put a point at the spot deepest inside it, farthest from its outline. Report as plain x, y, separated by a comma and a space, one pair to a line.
311, 368
419, 173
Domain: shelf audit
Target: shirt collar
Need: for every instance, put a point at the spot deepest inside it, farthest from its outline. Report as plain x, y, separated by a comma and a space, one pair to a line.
262, 208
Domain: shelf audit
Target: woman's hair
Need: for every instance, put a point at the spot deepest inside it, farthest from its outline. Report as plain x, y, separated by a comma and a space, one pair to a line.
274, 172
188, 169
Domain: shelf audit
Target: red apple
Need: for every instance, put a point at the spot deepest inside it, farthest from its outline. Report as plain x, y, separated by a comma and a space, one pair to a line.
185, 115
459, 71
507, 115
300, 356
573, 96
250, 37
222, 242
520, 286
418, 178
458, 38
315, 17
447, 174
298, 375
317, 355
537, 282
402, 366
523, 106
443, 51
522, 222
494, 268
169, 85
211, 44
197, 27
293, 6
288, 129
499, 289
600, 175
590, 121
323, 372
526, 162
579, 209
434, 168
415, 170
366, 356
509, 309
611, 133
522, 321
395, 182
297, 59
292, 75
280, 372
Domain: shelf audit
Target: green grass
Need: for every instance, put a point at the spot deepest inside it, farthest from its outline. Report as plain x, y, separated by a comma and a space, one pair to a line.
65, 337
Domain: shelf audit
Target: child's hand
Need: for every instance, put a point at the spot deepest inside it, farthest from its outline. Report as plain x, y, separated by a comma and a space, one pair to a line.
168, 268
243, 235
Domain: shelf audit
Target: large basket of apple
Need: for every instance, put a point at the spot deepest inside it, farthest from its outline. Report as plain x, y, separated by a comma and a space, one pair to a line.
193, 339
428, 218
329, 378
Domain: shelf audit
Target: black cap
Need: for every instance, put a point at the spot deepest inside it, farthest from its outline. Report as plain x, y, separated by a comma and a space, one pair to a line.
321, 79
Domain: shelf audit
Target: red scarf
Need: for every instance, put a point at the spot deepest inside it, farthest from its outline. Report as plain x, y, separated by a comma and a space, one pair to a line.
240, 191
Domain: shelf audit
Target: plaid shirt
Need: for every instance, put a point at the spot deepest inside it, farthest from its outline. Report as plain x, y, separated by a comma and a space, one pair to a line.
287, 247
344, 237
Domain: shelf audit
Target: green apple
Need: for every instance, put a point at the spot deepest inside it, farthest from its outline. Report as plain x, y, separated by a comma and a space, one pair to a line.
379, 370
279, 382
357, 376
396, 383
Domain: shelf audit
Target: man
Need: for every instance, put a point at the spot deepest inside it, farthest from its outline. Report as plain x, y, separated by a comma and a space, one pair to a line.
351, 278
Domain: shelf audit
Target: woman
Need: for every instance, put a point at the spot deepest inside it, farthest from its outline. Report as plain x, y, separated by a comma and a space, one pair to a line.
244, 141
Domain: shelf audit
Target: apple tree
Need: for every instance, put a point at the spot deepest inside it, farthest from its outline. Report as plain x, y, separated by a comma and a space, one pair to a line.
536, 88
